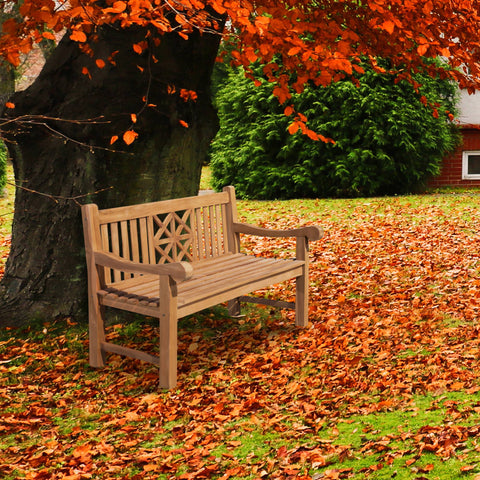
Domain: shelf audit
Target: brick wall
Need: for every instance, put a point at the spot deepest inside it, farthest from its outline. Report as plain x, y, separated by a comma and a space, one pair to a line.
451, 171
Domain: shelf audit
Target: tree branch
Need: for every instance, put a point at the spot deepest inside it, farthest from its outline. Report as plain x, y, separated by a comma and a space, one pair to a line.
42, 120
57, 198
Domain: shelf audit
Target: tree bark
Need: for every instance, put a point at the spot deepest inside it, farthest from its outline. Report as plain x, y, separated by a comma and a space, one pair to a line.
56, 160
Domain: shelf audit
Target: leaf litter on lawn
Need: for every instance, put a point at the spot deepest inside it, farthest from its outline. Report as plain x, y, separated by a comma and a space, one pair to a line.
394, 302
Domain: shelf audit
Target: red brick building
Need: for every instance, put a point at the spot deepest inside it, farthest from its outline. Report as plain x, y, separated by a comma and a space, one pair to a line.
462, 167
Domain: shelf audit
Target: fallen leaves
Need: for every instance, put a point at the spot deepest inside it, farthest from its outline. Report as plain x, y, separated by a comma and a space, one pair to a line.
395, 294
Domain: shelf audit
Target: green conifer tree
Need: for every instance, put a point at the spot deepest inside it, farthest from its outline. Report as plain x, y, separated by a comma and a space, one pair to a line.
386, 140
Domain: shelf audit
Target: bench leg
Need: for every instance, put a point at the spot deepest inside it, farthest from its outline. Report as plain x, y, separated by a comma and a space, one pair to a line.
301, 301
234, 309
301, 285
96, 334
168, 333
168, 351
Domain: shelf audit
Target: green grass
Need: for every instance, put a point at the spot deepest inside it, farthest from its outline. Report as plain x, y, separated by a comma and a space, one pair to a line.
206, 179
387, 439
6, 217
360, 210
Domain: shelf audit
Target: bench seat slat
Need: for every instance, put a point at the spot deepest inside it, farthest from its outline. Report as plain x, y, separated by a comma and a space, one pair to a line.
202, 285
205, 297
204, 267
231, 271
212, 282
251, 269
110, 301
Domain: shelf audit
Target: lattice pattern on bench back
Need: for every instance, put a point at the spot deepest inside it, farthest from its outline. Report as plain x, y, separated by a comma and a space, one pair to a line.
192, 229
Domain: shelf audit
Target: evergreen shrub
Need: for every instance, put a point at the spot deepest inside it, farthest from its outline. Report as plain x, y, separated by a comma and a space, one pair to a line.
386, 140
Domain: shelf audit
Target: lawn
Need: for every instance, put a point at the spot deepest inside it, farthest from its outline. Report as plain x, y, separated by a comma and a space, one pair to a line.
6, 216
383, 384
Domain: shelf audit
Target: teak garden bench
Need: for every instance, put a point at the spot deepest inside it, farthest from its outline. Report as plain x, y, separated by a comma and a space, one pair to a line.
172, 258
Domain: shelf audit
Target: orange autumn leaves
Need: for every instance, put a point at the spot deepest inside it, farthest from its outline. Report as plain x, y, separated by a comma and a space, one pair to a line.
395, 298
263, 30
296, 43
130, 135
300, 123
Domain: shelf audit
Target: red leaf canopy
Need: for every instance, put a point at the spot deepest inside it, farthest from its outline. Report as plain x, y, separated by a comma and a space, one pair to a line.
296, 40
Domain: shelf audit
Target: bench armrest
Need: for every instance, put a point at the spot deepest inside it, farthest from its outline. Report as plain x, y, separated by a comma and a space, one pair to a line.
179, 271
311, 232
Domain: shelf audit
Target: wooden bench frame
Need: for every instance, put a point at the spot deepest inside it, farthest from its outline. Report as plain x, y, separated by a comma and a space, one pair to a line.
172, 258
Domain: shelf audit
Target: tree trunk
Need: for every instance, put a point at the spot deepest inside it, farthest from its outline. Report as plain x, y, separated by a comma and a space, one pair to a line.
55, 161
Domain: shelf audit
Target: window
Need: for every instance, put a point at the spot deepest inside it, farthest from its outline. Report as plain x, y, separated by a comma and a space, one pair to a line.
471, 165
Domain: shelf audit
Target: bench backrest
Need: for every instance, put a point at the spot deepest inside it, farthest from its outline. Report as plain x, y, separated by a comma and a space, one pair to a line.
185, 229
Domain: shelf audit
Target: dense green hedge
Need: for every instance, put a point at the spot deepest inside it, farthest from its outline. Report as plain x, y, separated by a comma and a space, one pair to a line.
387, 141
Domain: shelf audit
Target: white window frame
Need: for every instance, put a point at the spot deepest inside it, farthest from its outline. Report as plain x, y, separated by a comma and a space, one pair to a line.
465, 174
